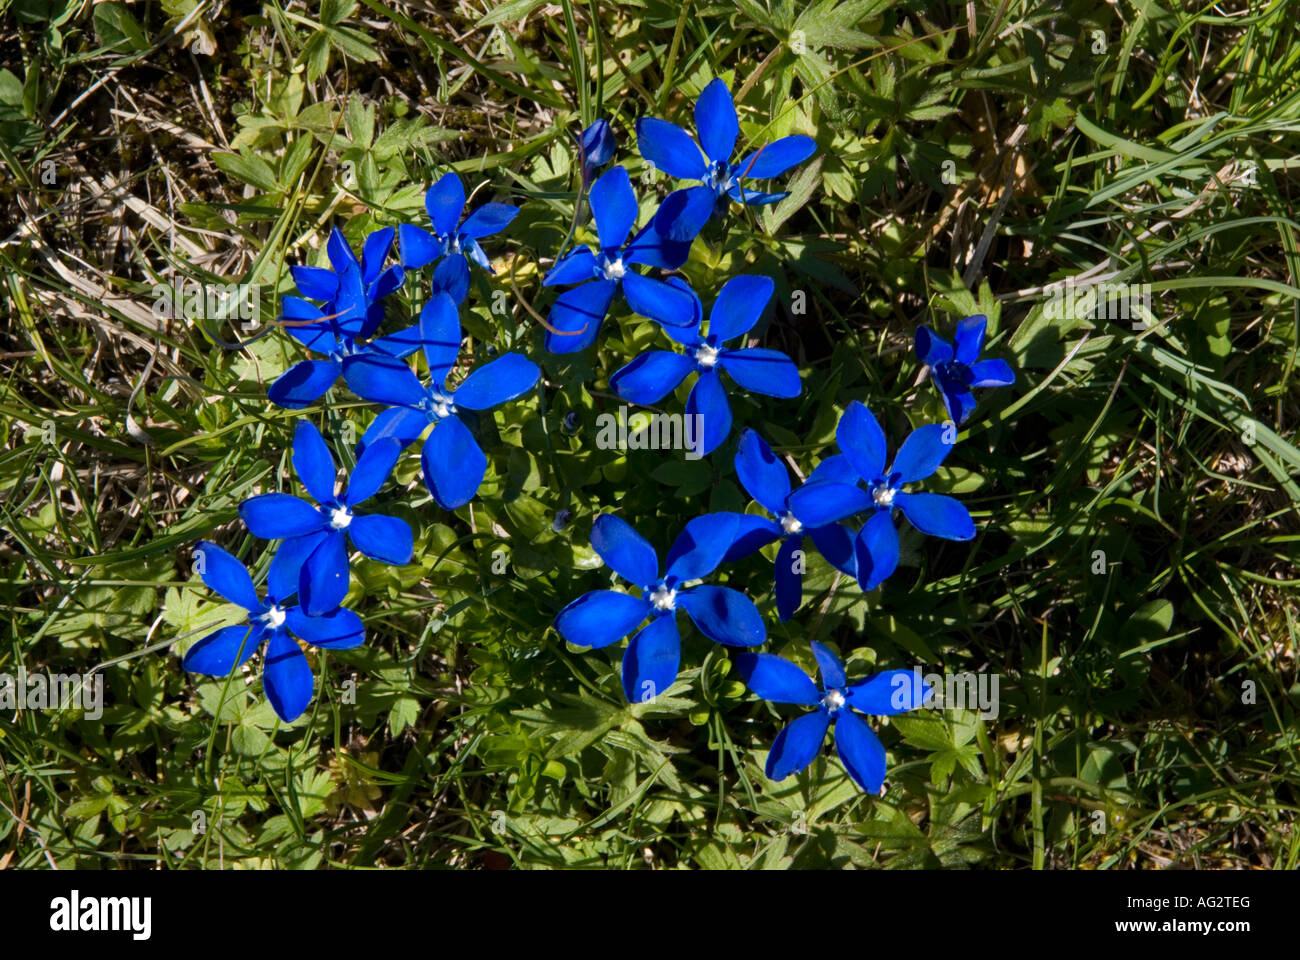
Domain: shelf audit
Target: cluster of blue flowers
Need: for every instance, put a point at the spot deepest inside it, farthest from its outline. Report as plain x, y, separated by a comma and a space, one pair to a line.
311, 563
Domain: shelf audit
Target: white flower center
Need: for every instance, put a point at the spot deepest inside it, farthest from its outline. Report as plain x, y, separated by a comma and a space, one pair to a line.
706, 356
441, 405
883, 495
664, 598
275, 617
790, 524
614, 269
833, 700
340, 517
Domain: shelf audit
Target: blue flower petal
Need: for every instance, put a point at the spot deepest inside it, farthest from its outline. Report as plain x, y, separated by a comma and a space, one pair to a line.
654, 249
708, 401
613, 204
662, 302
682, 216
624, 550
286, 566
313, 463
339, 629
960, 404
700, 546
304, 383
797, 744
834, 469
398, 344
323, 581
575, 266
776, 679
936, 515
876, 550
970, 338
577, 314
382, 538
651, 660
444, 202
342, 259
441, 335
670, 149
689, 334
861, 752
835, 543
923, 451
860, 438
374, 252
380, 379
888, 692
508, 376
754, 198
453, 464
931, 349
776, 158
763, 476
992, 373
315, 283
789, 577
601, 617
724, 615
740, 303
759, 370
817, 504
403, 424
752, 534
651, 376
832, 670
597, 144
417, 248
371, 472
488, 219
471, 249
286, 677
716, 121
274, 516
451, 276
218, 653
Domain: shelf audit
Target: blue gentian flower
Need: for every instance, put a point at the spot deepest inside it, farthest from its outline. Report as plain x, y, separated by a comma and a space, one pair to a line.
671, 149
352, 295
597, 144
764, 477
286, 675
602, 617
313, 560
655, 373
955, 372
445, 201
454, 465
578, 313
863, 444
881, 695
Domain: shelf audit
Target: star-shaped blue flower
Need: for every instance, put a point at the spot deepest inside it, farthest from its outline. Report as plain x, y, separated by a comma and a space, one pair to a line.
656, 373
352, 294
578, 313
955, 372
286, 675
671, 149
863, 755
765, 478
445, 202
313, 560
863, 444
454, 464
602, 617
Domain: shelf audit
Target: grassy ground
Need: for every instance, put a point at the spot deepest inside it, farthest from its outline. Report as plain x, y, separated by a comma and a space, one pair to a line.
1132, 582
